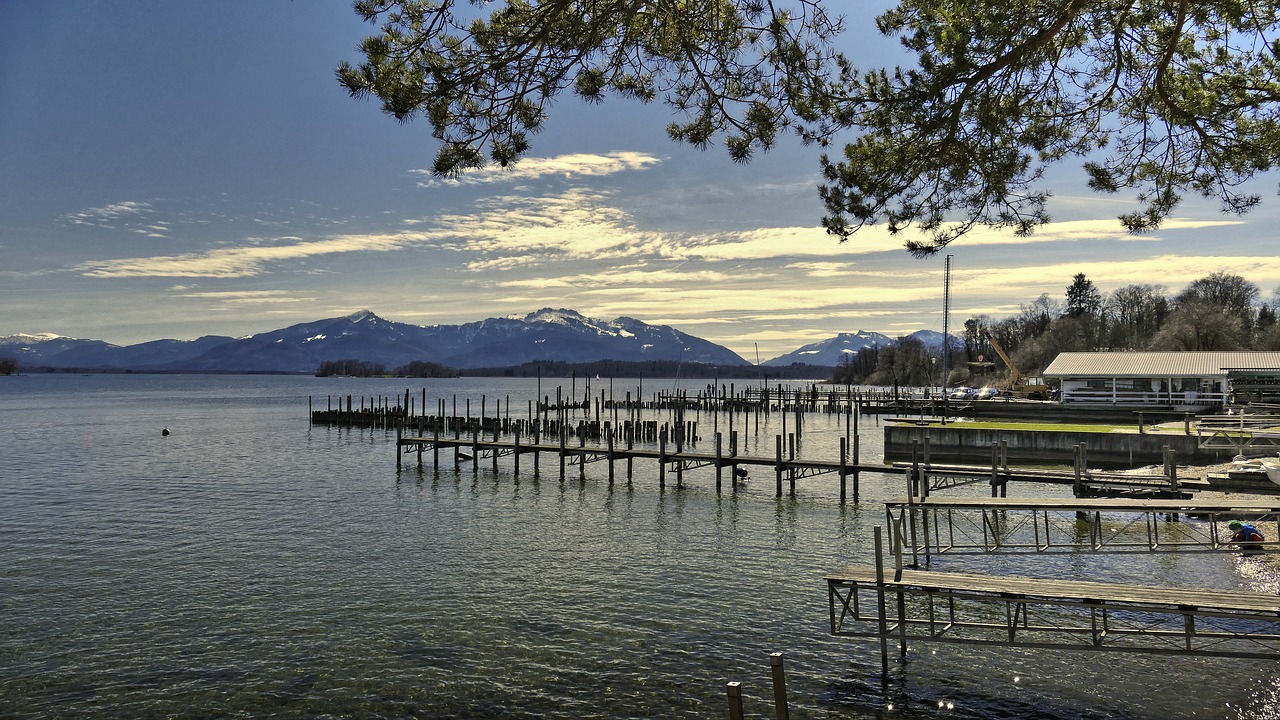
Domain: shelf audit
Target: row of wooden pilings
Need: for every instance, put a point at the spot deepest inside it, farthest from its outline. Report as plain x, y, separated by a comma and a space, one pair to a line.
784, 463
742, 408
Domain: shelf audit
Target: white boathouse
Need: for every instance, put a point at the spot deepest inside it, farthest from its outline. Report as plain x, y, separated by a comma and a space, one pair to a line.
1182, 380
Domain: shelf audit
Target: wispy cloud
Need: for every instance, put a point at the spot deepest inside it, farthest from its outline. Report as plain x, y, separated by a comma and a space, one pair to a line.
108, 215
248, 260
248, 297
569, 167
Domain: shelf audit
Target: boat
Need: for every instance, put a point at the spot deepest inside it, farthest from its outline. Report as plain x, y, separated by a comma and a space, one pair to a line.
1272, 467
1269, 466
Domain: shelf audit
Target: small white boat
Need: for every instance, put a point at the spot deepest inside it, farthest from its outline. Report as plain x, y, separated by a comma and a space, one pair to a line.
1272, 467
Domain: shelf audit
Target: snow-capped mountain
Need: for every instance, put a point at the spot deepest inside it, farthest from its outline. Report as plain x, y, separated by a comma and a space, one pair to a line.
833, 351
548, 334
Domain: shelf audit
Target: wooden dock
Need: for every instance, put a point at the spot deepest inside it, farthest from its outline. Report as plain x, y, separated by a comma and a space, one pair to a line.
670, 455
895, 604
674, 455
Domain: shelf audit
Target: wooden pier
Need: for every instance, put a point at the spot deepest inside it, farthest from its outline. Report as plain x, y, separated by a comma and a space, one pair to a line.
671, 455
674, 454
898, 605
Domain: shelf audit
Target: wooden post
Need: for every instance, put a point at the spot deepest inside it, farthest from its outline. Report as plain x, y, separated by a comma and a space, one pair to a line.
791, 455
777, 470
844, 467
475, 449
662, 457
883, 625
609, 437
1078, 485
733, 692
515, 470
779, 686
995, 466
719, 462
914, 476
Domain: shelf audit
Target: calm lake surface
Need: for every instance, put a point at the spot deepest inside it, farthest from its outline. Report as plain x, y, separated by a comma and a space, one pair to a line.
252, 565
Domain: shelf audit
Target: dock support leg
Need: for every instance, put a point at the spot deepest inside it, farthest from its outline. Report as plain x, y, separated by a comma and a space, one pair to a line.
883, 622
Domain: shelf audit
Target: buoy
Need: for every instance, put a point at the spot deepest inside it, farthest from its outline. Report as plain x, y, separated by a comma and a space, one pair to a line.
165, 432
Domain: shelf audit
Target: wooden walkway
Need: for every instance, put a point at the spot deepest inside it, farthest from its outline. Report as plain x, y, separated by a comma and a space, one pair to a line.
895, 604
958, 526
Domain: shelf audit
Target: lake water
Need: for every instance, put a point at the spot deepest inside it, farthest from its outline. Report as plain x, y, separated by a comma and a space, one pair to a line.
252, 565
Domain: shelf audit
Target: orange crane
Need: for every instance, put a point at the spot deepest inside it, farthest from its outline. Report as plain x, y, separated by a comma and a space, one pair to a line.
1018, 385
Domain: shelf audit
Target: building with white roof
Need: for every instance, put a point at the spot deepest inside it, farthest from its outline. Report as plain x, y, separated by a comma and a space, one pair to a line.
1181, 380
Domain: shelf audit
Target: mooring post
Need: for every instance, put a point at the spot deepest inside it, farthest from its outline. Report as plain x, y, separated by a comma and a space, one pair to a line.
515, 469
844, 468
777, 469
733, 692
913, 476
562, 430
475, 449
719, 462
662, 457
1078, 485
791, 456
995, 465
609, 436
779, 686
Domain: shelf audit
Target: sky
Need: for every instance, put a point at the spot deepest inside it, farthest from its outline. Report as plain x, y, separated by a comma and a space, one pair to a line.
173, 169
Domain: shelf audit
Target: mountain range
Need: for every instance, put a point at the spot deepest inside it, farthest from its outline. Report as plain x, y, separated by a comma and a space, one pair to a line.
547, 334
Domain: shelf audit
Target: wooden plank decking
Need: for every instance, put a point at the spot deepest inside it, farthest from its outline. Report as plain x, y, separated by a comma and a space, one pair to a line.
1007, 587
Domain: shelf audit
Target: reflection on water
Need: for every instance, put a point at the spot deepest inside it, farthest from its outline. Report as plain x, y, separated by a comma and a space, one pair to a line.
250, 564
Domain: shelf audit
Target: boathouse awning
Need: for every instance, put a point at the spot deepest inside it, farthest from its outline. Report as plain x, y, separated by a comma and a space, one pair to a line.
1159, 364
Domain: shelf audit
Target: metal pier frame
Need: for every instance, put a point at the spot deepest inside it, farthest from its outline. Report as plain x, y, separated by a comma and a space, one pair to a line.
976, 526
902, 606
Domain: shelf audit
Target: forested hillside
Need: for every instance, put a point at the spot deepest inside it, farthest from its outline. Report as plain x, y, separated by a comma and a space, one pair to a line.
1217, 312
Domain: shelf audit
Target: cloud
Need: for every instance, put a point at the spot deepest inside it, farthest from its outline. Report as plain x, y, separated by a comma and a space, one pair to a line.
571, 166
249, 260
578, 224
243, 297
106, 215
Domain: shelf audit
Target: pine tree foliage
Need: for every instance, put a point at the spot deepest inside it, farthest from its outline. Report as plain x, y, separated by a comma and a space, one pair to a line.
1159, 97
743, 70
